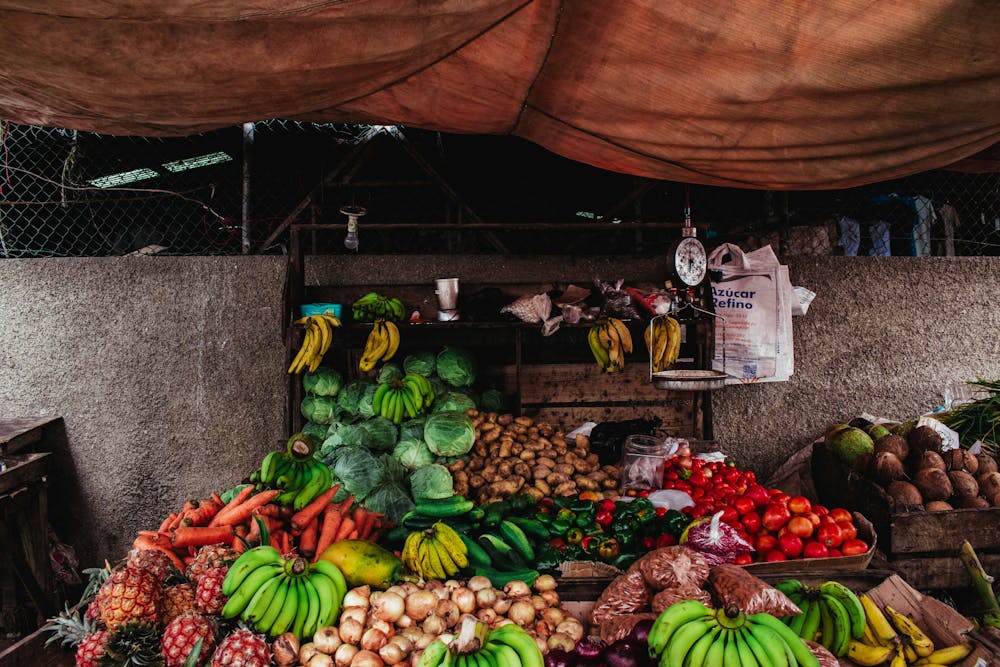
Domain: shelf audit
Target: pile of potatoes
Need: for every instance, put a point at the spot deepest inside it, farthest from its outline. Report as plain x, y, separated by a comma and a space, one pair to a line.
514, 455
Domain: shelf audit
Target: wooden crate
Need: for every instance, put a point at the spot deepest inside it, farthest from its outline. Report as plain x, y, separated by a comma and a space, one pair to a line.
922, 547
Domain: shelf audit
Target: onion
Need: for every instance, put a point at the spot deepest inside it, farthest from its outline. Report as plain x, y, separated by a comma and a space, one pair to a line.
404, 622
517, 589
449, 611
502, 605
623, 653
589, 648
557, 658
326, 640
366, 659
391, 654
465, 599
409, 587
561, 641
320, 660
387, 628
572, 627
522, 612
405, 644
551, 598
415, 658
478, 583
413, 634
553, 616
545, 582
344, 655
640, 631
542, 644
373, 639
351, 631
419, 604
397, 590
485, 597
308, 650
502, 621
452, 584
487, 616
542, 629
286, 650
424, 641
434, 625
358, 597
538, 603
359, 614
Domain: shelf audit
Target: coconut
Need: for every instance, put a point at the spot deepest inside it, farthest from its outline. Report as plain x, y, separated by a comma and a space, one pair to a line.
961, 459
893, 443
924, 439
863, 465
931, 460
904, 495
938, 506
986, 463
996, 500
989, 484
975, 503
964, 484
888, 467
933, 484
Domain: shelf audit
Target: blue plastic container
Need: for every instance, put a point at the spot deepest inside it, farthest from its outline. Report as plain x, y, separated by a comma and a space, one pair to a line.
307, 309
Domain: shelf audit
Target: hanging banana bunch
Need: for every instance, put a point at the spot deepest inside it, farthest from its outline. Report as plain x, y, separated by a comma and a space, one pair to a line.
609, 342
319, 335
381, 345
663, 340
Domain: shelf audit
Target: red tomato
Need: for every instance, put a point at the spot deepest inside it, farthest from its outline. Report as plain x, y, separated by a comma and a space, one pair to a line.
790, 545
819, 510
750, 476
801, 526
814, 549
766, 542
758, 494
698, 479
702, 509
670, 475
743, 559
847, 530
839, 514
813, 517
854, 547
751, 522
743, 505
780, 497
799, 505
834, 553
697, 492
775, 516
666, 540
829, 535
774, 555
729, 515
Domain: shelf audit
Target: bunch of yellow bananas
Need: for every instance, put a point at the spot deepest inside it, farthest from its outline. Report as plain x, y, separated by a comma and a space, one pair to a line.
435, 553
663, 340
894, 637
319, 335
609, 342
381, 345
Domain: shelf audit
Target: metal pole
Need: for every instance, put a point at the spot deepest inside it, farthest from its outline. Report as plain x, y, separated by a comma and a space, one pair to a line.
245, 210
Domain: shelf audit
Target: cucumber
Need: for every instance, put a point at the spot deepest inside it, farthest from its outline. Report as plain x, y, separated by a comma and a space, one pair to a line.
502, 554
445, 507
532, 528
515, 537
476, 554
501, 579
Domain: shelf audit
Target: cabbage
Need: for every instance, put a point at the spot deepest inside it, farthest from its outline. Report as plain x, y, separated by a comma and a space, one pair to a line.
412, 429
493, 400
389, 372
349, 435
365, 403
421, 363
317, 431
413, 454
382, 433
319, 409
325, 381
359, 471
438, 386
454, 401
449, 433
456, 366
431, 482
390, 496
350, 395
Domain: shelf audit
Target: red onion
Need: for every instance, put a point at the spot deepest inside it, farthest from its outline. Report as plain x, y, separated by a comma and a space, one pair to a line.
624, 653
559, 658
640, 631
589, 651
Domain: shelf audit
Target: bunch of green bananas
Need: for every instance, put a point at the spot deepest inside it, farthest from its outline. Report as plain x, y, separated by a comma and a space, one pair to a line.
689, 633
609, 342
381, 345
831, 614
373, 306
278, 595
506, 646
404, 398
299, 475
435, 553
893, 637
663, 340
319, 335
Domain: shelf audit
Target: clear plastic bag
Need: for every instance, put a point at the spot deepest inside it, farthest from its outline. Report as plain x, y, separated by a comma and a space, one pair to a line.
717, 541
732, 586
617, 302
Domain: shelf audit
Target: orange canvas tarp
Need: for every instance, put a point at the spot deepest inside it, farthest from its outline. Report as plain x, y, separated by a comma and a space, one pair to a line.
758, 93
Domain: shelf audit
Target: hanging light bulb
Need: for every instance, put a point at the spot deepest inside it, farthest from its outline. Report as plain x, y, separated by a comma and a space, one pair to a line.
351, 241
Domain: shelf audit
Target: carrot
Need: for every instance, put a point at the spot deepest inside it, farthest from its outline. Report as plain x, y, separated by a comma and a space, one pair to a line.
205, 512
240, 513
276, 540
304, 516
235, 502
328, 529
308, 539
165, 526
239, 546
197, 536
346, 526
268, 510
215, 498
143, 542
286, 542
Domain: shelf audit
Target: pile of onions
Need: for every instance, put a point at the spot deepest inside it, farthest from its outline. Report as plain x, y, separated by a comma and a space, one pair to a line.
393, 627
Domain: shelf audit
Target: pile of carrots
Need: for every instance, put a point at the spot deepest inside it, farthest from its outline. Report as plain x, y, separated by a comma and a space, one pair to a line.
307, 532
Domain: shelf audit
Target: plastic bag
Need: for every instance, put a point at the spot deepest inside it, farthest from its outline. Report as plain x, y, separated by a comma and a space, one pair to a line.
669, 596
823, 656
733, 586
673, 567
617, 302
618, 627
717, 541
530, 309
626, 594
608, 438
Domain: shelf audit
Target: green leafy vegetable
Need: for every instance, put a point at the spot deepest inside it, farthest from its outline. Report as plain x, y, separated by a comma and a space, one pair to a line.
350, 395
431, 482
319, 409
493, 400
412, 429
390, 496
359, 471
325, 381
456, 366
421, 363
454, 401
365, 403
317, 431
449, 433
382, 434
389, 372
413, 454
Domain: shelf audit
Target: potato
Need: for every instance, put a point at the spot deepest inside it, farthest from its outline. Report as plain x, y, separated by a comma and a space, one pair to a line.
545, 428
533, 432
543, 486
527, 455
593, 459
477, 481
505, 468
491, 435
486, 427
587, 484
557, 478
582, 441
524, 421
610, 483
460, 476
541, 471
598, 476
564, 468
535, 493
581, 466
504, 419
565, 489
476, 463
547, 461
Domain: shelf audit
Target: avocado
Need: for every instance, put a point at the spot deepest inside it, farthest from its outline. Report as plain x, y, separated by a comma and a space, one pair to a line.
876, 431
850, 443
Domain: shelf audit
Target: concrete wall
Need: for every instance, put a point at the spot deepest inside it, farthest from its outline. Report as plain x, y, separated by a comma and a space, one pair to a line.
169, 371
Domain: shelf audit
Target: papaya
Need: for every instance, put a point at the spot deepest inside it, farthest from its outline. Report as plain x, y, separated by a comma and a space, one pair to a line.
364, 562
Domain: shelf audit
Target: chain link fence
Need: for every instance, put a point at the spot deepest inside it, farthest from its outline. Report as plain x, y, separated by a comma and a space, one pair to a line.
236, 190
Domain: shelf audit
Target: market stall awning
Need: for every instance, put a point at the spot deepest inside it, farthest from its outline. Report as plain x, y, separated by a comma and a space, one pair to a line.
759, 93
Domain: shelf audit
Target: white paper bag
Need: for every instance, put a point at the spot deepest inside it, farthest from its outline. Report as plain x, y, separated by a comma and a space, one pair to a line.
754, 295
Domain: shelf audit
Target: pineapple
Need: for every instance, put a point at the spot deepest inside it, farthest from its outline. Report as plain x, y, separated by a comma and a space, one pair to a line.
132, 645
177, 600
243, 648
130, 595
213, 555
208, 596
153, 561
180, 637
69, 629
91, 649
